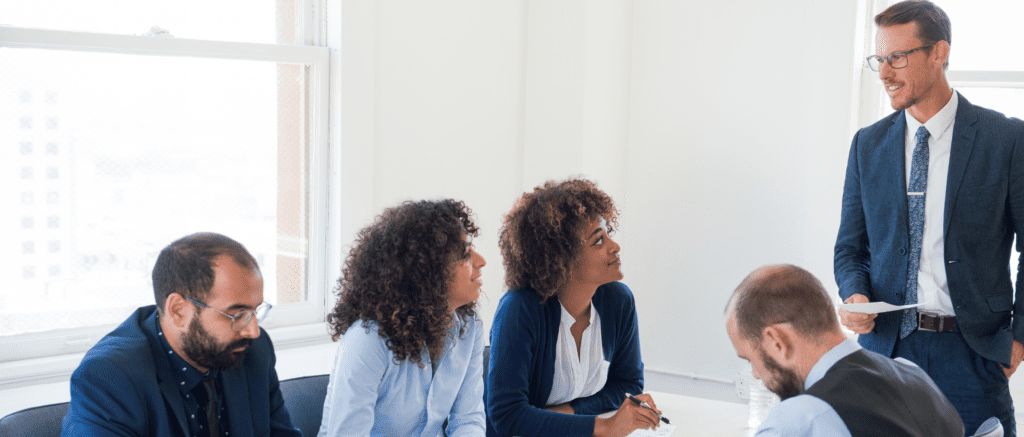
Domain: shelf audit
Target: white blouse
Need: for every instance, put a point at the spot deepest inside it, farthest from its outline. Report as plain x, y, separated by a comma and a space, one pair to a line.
582, 376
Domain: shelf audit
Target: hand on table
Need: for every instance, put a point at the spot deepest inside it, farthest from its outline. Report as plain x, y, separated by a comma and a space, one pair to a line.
628, 418
859, 323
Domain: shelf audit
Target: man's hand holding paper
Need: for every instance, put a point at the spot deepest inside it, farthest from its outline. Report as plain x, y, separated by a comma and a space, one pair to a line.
860, 323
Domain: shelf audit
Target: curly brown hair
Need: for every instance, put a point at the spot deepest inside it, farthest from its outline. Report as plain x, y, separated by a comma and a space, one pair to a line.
541, 236
397, 275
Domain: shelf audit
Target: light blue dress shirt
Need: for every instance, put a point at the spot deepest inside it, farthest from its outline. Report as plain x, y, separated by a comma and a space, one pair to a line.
369, 394
806, 415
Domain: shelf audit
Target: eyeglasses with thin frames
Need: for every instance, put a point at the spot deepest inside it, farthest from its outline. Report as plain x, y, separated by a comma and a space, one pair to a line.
895, 59
242, 318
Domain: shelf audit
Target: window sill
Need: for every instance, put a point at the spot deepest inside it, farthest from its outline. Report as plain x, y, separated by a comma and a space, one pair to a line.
58, 368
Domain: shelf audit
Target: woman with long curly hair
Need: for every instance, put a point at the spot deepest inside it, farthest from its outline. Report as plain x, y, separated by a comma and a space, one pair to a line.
564, 343
410, 344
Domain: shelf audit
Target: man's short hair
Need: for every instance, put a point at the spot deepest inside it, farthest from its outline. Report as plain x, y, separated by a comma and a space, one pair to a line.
186, 265
932, 22
782, 294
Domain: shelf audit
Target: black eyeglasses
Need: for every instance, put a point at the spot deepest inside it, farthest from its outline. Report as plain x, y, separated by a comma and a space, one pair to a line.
242, 318
895, 59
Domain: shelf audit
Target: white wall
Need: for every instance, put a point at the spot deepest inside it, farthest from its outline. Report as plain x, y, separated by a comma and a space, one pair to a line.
720, 128
739, 122
479, 101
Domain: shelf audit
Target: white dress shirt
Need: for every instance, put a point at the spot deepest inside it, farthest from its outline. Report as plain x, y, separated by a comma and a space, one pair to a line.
583, 375
932, 288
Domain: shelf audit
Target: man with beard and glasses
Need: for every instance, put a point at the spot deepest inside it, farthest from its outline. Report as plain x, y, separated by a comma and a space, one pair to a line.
781, 319
195, 364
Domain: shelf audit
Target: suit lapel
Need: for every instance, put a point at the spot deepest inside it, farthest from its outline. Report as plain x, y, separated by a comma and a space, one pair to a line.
168, 387
894, 150
236, 400
959, 154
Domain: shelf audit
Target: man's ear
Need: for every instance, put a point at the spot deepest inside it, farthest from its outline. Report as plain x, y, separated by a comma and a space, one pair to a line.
941, 52
178, 310
777, 340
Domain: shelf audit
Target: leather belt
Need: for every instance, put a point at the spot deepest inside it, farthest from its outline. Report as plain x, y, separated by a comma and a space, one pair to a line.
935, 323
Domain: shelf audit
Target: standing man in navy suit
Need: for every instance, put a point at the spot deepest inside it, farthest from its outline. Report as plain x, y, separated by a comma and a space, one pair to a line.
195, 364
934, 196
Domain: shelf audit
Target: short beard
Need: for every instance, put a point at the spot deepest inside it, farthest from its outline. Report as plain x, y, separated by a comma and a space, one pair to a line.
202, 348
784, 381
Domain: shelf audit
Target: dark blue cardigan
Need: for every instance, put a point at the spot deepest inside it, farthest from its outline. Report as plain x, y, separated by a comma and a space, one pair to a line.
522, 363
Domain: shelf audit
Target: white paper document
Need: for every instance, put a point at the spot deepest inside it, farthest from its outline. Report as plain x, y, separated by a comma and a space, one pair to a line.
875, 307
664, 430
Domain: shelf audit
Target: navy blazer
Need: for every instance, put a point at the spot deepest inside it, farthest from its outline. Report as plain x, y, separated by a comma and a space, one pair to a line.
524, 335
984, 209
124, 387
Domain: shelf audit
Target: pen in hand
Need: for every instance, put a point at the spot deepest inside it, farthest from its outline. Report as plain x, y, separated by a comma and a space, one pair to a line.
644, 405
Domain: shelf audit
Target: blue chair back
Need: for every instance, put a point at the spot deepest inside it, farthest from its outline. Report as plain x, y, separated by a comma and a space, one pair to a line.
304, 398
42, 421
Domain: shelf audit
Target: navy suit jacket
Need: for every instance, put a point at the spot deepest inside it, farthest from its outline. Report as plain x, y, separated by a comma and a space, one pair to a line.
124, 387
984, 209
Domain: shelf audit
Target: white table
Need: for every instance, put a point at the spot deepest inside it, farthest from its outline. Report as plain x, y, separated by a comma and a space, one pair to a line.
702, 417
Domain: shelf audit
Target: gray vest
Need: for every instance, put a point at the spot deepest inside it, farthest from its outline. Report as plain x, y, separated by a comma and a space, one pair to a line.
877, 396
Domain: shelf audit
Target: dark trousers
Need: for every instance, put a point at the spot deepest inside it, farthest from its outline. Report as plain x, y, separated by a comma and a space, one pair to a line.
976, 386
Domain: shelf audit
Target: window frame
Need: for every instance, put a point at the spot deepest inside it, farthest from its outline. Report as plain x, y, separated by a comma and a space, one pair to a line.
872, 103
52, 355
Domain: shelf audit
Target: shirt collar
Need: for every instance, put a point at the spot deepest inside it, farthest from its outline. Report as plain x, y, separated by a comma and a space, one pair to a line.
939, 124
188, 377
828, 360
570, 320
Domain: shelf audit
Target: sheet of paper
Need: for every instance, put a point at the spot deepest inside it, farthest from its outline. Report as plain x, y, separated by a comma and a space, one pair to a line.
664, 430
875, 307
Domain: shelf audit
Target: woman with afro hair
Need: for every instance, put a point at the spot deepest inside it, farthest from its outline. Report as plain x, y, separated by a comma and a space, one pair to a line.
564, 343
410, 344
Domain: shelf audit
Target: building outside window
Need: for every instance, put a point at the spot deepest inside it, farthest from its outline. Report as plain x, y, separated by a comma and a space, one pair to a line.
158, 120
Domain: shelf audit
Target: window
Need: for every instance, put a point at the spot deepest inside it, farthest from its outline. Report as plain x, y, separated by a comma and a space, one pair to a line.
151, 134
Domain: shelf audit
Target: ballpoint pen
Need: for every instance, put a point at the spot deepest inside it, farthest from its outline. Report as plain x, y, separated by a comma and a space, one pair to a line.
643, 404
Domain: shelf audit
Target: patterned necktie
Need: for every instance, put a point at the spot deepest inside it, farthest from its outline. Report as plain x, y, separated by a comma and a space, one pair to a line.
915, 205
212, 421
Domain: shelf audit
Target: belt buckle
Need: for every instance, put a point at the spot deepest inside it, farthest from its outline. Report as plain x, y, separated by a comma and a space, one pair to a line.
931, 326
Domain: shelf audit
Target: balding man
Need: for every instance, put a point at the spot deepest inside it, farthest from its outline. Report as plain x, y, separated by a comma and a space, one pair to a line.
195, 364
781, 319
